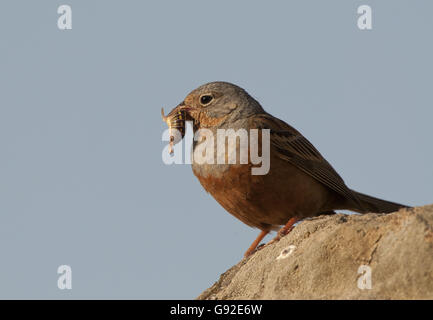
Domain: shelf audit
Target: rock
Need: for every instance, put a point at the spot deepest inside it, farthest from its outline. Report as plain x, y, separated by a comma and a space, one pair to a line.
331, 257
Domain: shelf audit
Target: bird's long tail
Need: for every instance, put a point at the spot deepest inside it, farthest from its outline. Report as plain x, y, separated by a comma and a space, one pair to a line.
372, 204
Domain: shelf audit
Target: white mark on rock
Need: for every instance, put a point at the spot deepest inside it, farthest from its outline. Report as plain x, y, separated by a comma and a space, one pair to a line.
364, 281
286, 252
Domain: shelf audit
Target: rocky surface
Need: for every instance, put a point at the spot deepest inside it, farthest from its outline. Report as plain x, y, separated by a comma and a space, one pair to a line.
331, 257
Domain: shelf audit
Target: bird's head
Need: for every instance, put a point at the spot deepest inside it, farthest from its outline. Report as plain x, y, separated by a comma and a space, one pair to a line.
214, 102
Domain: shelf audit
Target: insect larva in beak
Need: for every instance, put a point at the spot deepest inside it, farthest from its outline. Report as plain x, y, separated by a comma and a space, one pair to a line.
175, 121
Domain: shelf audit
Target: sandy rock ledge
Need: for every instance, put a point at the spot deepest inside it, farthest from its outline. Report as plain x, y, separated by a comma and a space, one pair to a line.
329, 257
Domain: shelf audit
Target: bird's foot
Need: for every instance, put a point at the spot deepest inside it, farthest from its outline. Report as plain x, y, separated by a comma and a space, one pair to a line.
280, 234
283, 232
256, 244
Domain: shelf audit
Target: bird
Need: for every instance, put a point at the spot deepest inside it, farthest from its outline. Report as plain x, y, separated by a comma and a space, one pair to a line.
300, 182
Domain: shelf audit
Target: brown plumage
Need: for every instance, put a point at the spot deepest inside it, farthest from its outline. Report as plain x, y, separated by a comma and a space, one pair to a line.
300, 182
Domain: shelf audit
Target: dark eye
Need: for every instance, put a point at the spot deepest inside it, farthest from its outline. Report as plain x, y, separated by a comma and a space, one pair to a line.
205, 99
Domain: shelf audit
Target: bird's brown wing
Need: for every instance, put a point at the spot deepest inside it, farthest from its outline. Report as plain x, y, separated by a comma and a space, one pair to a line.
293, 147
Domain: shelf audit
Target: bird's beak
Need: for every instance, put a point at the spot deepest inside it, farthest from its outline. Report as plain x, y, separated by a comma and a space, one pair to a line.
183, 107
180, 107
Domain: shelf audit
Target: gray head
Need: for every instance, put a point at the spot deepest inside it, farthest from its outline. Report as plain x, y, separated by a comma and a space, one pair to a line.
220, 100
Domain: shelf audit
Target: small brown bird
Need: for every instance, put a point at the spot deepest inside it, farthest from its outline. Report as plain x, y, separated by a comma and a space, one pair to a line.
300, 183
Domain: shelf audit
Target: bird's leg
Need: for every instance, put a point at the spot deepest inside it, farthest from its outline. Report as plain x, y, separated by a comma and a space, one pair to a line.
281, 233
256, 242
284, 230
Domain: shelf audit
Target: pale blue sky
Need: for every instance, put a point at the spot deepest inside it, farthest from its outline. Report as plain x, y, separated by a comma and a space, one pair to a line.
81, 177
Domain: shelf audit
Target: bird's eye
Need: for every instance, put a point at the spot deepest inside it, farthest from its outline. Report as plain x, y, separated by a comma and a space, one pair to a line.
205, 99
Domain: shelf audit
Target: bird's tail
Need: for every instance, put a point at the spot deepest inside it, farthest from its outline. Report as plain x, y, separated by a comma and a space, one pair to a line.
372, 204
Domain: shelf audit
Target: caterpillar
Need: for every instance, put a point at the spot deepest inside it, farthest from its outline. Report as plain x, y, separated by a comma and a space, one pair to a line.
175, 121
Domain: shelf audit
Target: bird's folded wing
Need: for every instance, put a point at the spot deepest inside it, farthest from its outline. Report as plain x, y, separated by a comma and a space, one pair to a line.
293, 147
